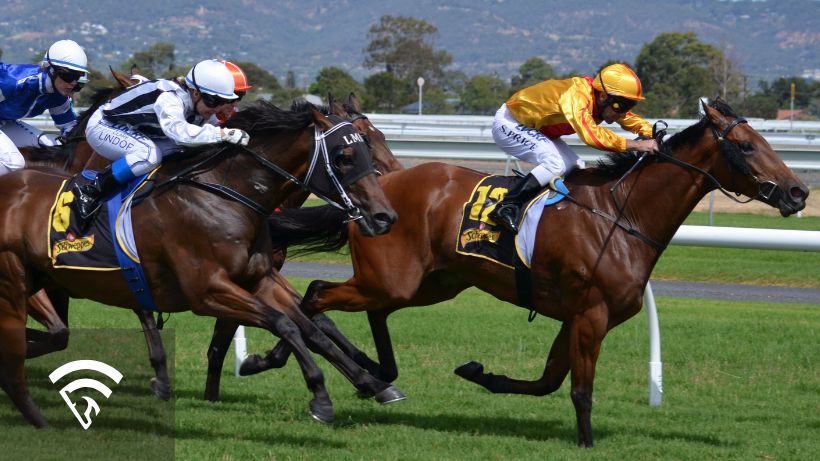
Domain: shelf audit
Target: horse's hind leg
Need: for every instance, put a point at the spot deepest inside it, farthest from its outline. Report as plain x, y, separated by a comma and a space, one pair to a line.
161, 382
224, 331
555, 371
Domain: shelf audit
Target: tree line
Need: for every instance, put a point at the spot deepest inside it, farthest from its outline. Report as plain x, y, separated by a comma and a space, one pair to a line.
676, 69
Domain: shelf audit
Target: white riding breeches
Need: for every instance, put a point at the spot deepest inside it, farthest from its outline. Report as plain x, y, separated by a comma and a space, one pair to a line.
117, 141
553, 156
15, 134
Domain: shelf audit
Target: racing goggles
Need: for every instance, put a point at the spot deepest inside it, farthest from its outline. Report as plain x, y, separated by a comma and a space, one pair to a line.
621, 105
212, 101
70, 76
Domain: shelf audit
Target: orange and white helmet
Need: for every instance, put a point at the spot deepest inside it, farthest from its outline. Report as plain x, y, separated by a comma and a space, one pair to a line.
212, 78
619, 80
239, 78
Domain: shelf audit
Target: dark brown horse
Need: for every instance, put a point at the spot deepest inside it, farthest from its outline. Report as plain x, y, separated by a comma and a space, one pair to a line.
383, 161
51, 309
593, 254
224, 270
78, 155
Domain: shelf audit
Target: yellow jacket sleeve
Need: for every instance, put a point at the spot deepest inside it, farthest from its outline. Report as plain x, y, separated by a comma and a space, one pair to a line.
636, 124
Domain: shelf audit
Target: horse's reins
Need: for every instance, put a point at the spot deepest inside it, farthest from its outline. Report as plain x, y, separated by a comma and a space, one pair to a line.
185, 176
719, 138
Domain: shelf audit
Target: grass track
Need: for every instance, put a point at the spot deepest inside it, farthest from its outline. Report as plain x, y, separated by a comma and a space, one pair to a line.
740, 382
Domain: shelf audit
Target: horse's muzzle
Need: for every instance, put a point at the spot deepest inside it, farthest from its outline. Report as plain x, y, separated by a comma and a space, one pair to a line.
376, 224
788, 203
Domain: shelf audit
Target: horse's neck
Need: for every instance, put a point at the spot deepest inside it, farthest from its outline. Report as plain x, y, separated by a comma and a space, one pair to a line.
663, 194
289, 150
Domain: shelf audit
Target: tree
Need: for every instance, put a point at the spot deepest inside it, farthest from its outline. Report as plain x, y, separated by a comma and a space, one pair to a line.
678, 68
155, 62
483, 95
334, 81
385, 93
534, 70
404, 46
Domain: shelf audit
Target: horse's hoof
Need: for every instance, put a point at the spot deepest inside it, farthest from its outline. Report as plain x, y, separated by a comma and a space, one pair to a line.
322, 412
470, 370
160, 389
251, 365
390, 395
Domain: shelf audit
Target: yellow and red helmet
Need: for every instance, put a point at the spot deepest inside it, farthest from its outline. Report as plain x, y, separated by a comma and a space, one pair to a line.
239, 77
619, 80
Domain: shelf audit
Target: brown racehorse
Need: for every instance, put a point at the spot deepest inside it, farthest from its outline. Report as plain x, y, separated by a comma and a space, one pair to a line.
80, 156
51, 309
593, 254
384, 162
224, 270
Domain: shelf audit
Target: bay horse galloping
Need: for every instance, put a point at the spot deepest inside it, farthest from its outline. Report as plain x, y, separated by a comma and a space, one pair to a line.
223, 268
592, 258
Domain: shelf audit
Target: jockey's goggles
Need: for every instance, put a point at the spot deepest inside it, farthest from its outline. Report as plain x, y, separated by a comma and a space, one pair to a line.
70, 76
621, 105
215, 101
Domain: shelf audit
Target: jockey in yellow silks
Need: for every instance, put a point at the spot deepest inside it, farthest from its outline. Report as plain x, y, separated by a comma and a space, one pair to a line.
530, 124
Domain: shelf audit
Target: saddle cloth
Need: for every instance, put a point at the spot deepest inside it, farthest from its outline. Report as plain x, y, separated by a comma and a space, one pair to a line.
481, 237
93, 246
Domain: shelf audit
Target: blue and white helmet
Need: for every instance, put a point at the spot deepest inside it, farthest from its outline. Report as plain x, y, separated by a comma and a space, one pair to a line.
211, 77
67, 54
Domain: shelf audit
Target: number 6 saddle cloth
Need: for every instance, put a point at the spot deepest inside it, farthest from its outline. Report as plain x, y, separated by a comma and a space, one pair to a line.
481, 237
106, 241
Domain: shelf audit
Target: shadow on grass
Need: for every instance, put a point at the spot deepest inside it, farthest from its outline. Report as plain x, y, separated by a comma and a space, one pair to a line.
533, 429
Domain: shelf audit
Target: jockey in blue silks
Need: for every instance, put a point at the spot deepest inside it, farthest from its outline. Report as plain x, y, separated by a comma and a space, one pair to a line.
27, 90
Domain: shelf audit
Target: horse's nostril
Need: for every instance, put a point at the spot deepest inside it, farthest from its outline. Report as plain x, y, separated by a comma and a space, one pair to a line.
384, 219
797, 193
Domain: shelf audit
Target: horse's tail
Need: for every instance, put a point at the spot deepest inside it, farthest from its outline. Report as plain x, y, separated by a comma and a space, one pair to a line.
314, 229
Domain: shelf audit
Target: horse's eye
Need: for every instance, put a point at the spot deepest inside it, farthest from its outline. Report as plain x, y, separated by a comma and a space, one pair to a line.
747, 147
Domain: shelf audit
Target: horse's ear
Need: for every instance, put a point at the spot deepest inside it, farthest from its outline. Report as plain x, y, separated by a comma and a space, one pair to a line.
714, 115
122, 80
329, 99
353, 101
321, 121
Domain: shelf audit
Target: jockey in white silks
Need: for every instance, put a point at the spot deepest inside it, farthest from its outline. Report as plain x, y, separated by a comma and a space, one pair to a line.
152, 119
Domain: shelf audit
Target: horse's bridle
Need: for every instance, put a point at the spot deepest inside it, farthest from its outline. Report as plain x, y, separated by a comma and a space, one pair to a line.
320, 149
768, 191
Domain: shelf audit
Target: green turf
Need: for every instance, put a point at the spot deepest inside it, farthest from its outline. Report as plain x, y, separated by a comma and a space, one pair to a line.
740, 382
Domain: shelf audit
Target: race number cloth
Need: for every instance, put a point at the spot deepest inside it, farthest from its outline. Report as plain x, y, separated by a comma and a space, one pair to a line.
94, 246
482, 237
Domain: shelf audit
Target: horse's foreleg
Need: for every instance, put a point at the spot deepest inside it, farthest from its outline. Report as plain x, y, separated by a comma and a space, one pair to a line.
54, 318
555, 371
228, 301
224, 331
12, 370
587, 332
160, 383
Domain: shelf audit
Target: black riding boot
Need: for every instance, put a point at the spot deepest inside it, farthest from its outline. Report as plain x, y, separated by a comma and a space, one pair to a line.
507, 212
87, 196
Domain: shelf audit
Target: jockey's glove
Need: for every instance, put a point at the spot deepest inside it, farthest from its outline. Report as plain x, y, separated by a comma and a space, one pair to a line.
235, 136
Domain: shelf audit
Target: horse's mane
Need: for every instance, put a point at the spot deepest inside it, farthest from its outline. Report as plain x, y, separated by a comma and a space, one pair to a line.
265, 116
617, 163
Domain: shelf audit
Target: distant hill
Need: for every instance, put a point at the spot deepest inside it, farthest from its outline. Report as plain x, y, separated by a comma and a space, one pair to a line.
768, 39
